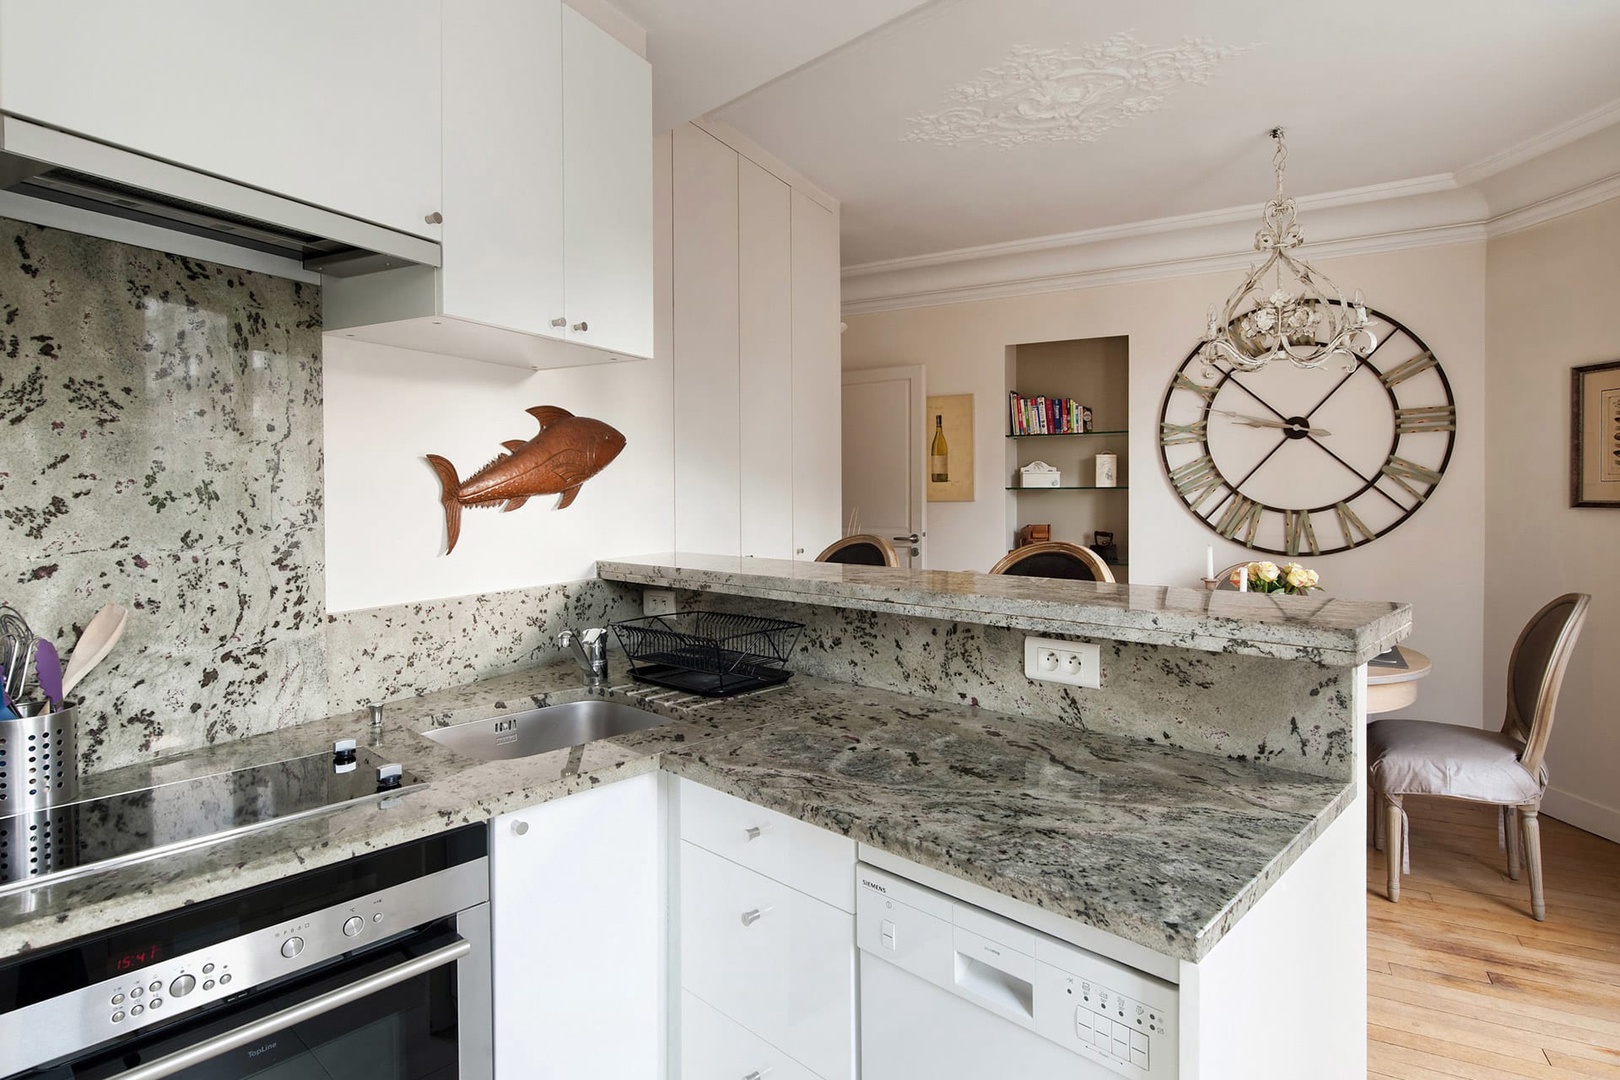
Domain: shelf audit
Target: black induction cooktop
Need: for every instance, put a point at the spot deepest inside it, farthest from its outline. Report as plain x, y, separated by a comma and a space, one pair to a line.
74, 838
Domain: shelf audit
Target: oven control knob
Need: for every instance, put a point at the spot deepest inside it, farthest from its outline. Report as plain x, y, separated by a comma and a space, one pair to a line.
353, 925
182, 986
292, 947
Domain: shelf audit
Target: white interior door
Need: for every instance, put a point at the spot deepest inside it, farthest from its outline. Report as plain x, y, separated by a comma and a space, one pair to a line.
884, 482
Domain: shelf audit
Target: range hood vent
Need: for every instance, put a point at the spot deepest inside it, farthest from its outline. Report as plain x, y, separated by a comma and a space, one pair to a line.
54, 166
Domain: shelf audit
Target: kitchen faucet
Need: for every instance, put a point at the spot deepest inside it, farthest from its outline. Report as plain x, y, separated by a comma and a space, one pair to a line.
590, 651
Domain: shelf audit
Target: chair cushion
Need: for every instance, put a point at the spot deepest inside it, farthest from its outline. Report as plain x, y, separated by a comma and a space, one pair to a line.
1420, 757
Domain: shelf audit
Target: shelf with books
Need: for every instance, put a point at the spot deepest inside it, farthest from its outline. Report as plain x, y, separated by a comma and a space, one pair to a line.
1064, 434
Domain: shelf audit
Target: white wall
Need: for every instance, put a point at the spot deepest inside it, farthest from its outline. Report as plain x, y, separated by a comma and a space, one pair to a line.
1552, 308
1436, 560
386, 407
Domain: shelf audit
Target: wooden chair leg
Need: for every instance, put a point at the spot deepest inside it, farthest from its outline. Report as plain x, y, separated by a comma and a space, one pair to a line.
1514, 851
1532, 858
1393, 827
1380, 820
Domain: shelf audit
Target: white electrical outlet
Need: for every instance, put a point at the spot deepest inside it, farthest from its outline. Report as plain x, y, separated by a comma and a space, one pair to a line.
657, 602
1074, 663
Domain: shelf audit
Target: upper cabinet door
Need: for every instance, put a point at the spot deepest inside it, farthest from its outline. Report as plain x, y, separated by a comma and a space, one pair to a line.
607, 190
503, 171
333, 104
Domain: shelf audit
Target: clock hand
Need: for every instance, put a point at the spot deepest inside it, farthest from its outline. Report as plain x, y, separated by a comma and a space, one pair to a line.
1260, 421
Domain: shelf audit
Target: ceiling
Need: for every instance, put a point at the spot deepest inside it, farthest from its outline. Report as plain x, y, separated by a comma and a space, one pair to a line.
705, 53
973, 122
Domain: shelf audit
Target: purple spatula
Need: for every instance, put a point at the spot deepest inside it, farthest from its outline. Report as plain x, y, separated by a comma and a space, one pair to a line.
48, 670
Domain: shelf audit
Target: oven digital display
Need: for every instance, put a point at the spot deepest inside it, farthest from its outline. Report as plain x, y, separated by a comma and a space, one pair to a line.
135, 959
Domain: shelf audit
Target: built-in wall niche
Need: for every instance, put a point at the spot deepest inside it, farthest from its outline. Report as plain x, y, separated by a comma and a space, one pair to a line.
1095, 372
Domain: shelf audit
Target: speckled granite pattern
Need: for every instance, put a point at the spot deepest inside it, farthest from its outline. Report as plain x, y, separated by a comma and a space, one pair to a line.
1161, 846
1322, 629
1250, 708
383, 653
134, 386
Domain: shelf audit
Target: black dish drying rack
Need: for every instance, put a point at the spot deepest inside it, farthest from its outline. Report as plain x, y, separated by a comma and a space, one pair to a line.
709, 652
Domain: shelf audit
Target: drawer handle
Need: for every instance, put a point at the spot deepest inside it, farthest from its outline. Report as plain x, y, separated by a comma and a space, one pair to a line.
749, 918
754, 832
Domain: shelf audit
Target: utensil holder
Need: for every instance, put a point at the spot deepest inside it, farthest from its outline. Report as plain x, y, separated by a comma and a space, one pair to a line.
39, 758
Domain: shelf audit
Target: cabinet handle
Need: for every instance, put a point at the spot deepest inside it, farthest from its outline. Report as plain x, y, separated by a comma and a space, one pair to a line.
559, 321
520, 827
581, 327
753, 832
434, 218
749, 918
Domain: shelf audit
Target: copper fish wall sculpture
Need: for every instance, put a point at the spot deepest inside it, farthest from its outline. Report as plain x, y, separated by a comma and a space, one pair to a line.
568, 451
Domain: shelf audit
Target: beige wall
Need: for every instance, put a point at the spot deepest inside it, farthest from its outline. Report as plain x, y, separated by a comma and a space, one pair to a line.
1551, 303
1436, 560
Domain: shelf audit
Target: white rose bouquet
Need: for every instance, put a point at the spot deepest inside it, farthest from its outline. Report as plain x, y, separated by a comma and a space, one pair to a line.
1268, 577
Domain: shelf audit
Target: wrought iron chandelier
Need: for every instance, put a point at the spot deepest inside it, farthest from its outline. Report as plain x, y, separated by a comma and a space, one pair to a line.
1300, 324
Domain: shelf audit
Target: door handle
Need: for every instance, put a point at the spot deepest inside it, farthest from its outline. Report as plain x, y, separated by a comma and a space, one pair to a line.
912, 539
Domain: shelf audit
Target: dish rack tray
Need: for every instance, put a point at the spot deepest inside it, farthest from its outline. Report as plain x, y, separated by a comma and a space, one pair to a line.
711, 653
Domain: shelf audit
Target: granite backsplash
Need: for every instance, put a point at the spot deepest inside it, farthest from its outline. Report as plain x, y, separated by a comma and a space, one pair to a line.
1287, 713
160, 448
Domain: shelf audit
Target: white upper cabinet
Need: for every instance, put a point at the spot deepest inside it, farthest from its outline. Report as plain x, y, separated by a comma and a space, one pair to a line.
335, 105
548, 202
503, 173
607, 202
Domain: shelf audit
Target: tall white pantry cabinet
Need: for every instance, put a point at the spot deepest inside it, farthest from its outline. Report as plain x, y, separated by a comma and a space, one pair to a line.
753, 318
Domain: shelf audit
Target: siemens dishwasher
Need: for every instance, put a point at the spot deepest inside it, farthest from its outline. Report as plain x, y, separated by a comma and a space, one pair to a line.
950, 991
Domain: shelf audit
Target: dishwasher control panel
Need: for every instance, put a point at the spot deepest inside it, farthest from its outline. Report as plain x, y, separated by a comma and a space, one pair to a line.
1122, 1019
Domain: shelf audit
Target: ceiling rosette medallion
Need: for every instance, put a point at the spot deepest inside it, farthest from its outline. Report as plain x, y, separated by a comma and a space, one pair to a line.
1067, 95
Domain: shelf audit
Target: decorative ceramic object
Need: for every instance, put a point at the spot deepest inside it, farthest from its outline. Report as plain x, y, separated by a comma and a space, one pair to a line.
568, 451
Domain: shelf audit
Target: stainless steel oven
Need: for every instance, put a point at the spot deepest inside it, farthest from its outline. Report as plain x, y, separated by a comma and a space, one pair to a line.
377, 968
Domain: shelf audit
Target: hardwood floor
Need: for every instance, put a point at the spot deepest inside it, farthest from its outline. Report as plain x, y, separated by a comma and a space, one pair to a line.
1461, 982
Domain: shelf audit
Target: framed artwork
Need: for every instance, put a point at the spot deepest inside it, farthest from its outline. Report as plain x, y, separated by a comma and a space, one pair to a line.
1594, 453
949, 448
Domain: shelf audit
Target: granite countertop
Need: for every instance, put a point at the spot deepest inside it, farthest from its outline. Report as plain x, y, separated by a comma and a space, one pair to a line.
1317, 627
1160, 846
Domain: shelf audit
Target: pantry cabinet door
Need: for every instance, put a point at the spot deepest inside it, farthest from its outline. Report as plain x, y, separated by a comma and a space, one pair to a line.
765, 338
577, 910
817, 375
336, 105
503, 173
607, 189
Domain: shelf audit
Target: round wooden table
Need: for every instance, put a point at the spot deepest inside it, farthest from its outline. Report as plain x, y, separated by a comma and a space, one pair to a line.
1389, 689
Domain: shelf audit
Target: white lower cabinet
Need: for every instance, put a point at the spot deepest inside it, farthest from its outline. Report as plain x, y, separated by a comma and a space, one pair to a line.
713, 1045
774, 960
577, 910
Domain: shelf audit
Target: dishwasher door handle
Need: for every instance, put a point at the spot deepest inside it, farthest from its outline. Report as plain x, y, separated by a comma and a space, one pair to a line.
297, 1014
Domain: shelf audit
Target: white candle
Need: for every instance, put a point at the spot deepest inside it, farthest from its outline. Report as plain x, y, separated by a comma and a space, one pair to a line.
1209, 561
1243, 580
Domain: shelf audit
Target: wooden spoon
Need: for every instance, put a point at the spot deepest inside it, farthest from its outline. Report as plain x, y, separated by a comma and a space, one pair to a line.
94, 644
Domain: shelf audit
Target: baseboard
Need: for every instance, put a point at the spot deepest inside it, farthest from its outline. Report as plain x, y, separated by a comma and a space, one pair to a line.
1582, 813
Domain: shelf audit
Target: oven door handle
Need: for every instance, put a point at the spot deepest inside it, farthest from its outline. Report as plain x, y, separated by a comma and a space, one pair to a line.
335, 999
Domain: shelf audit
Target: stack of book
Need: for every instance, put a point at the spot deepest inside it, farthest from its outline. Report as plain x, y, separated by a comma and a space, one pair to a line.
1047, 415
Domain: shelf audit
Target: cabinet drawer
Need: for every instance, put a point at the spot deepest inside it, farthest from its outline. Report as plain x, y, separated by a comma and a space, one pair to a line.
778, 962
810, 859
714, 1047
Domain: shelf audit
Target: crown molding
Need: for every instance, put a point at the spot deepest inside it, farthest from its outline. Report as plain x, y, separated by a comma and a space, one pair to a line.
1573, 131
1570, 202
1562, 171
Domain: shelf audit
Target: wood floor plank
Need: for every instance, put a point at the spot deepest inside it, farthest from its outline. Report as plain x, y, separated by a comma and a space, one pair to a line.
1462, 983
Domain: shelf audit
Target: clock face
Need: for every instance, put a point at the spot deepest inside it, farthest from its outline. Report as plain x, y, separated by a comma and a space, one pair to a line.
1308, 462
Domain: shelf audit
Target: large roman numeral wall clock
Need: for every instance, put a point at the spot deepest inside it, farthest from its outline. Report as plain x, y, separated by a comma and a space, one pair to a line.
1292, 461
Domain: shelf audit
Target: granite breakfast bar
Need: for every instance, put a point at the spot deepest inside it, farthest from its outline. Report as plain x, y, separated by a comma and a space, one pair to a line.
1197, 815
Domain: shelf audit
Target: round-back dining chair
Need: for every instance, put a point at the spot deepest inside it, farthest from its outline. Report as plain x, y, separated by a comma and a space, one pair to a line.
1054, 559
1504, 768
862, 549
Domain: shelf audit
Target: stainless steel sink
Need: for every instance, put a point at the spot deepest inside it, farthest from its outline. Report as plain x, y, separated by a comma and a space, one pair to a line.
537, 731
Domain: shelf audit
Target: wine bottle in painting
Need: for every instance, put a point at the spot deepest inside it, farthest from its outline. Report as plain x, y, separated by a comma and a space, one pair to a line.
939, 454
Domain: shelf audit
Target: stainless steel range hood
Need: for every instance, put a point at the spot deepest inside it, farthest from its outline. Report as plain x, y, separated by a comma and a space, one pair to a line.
58, 167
